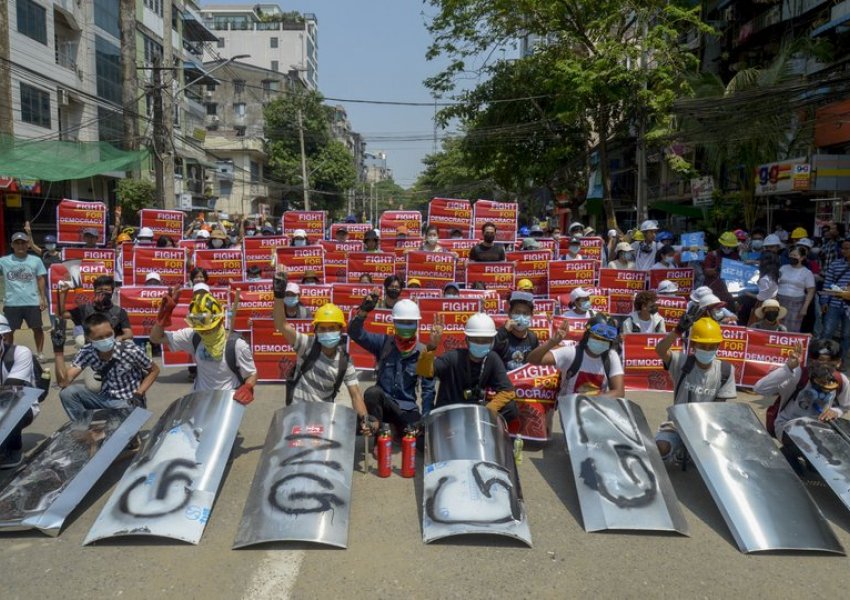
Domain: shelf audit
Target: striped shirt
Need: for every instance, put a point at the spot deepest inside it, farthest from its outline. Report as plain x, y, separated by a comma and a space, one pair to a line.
317, 384
124, 370
838, 274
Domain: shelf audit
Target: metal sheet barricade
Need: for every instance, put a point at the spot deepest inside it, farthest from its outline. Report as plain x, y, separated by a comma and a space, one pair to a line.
470, 481
302, 488
57, 477
827, 447
763, 502
15, 401
620, 479
169, 488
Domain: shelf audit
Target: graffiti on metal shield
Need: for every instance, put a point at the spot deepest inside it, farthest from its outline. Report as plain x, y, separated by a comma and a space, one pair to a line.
487, 477
306, 492
161, 492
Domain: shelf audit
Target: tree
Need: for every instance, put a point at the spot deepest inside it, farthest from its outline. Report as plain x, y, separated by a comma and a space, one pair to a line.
593, 49
447, 174
134, 195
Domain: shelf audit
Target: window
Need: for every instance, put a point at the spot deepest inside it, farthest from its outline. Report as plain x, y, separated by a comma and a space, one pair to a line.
273, 42
32, 20
108, 69
110, 126
271, 85
153, 50
275, 65
255, 171
238, 86
35, 106
212, 108
106, 16
240, 131
155, 6
220, 43
239, 109
211, 87
225, 188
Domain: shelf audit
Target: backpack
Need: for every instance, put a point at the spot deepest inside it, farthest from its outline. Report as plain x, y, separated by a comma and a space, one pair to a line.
774, 409
579, 357
229, 353
41, 382
690, 361
307, 364
655, 329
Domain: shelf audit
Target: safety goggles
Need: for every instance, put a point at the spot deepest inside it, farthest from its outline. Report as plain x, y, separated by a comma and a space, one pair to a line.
604, 331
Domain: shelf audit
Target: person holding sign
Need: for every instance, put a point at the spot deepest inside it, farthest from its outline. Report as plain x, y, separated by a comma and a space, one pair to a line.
665, 258
573, 250
769, 314
625, 257
432, 238
487, 250
292, 302
645, 317
370, 241
579, 304
392, 291
514, 340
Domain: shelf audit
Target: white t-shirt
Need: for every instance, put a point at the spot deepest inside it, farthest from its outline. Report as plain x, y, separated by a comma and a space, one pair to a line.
590, 378
213, 374
654, 325
572, 314
21, 369
317, 384
793, 281
616, 264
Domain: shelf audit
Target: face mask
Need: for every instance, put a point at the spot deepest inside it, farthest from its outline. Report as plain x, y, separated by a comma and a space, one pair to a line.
103, 301
583, 304
795, 261
718, 314
300, 243
771, 316
104, 345
644, 247
217, 243
667, 260
598, 346
393, 293
489, 237
628, 256
478, 350
451, 295
704, 356
50, 246
329, 339
757, 244
405, 332
290, 301
432, 239
727, 250
575, 249
522, 321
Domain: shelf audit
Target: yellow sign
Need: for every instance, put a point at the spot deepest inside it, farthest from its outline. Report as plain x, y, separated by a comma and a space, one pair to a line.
13, 201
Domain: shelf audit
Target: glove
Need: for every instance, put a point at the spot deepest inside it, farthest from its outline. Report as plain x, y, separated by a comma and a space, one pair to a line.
369, 303
279, 284
685, 323
244, 395
57, 336
138, 400
369, 425
166, 307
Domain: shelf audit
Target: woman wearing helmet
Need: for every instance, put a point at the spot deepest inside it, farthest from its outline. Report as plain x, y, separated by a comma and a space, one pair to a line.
515, 340
624, 257
593, 367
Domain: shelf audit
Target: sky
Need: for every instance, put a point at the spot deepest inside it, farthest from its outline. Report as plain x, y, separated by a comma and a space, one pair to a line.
375, 50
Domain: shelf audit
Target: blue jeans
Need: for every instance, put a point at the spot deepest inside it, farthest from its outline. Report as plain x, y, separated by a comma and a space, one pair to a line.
77, 399
835, 321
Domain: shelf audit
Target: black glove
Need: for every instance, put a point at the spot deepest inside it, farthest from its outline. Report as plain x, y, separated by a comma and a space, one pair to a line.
138, 400
279, 284
685, 323
57, 336
369, 303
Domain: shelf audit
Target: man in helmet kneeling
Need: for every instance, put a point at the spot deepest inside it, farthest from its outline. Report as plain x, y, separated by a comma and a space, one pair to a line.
393, 397
698, 377
466, 374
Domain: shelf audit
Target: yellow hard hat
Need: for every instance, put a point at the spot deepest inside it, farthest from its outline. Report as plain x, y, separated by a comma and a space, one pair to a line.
329, 313
123, 237
524, 285
205, 312
728, 239
638, 236
799, 233
706, 331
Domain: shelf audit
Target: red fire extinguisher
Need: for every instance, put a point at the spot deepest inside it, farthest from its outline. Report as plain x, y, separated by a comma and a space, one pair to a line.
408, 453
385, 451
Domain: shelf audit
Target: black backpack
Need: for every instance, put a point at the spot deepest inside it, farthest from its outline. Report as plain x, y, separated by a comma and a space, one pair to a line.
229, 353
41, 382
690, 361
307, 364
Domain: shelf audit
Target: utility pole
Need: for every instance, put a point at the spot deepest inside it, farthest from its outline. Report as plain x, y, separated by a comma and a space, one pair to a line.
159, 142
304, 184
642, 211
129, 76
165, 91
6, 127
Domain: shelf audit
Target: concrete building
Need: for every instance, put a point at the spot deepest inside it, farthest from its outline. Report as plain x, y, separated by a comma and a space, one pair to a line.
376, 167
353, 141
275, 40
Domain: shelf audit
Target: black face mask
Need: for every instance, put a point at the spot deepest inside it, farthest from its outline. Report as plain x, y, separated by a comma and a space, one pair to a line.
795, 261
393, 293
489, 237
102, 302
771, 316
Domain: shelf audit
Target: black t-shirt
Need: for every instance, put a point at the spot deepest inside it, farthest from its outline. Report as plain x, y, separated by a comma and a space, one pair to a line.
457, 374
482, 253
117, 316
514, 350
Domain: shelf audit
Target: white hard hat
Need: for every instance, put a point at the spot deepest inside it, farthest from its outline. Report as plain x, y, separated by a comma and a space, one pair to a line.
200, 286
623, 247
667, 287
4, 325
709, 300
145, 232
649, 225
202, 234
480, 325
575, 225
806, 242
577, 293
699, 292
772, 240
299, 233
406, 310
153, 275
293, 288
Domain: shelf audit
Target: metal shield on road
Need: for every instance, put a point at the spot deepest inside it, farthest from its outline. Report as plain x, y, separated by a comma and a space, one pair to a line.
169, 488
15, 401
620, 478
763, 502
63, 470
471, 485
302, 488
827, 447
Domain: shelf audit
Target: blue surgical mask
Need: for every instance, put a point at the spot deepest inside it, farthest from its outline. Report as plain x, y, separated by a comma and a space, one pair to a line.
479, 350
522, 321
290, 301
704, 356
583, 305
300, 242
50, 247
598, 346
756, 244
575, 249
329, 339
104, 345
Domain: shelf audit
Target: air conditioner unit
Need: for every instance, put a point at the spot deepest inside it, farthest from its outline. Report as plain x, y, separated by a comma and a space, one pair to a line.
214, 118
62, 97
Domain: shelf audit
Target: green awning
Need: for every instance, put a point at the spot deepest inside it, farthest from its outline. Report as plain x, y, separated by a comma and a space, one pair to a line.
673, 208
54, 160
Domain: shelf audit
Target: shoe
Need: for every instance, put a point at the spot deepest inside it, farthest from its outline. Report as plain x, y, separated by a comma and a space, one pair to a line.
11, 459
40, 358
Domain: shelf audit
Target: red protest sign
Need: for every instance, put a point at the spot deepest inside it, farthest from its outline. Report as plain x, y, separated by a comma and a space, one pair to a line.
448, 215
77, 297
378, 265
142, 305
163, 222
274, 358
684, 278
576, 327
311, 221
622, 279
621, 303
336, 259
73, 217
298, 260
564, 275
223, 266
643, 368
733, 349
420, 293
251, 286
348, 296
125, 262
252, 305
356, 231
461, 249
432, 269
536, 397
534, 266
497, 276
490, 300
671, 309
102, 256
315, 296
170, 263
391, 220
591, 248
540, 325
768, 350
172, 358
379, 321
501, 214
260, 252
433, 306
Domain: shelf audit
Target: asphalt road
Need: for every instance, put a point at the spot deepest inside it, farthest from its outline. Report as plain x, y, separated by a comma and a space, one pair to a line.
386, 557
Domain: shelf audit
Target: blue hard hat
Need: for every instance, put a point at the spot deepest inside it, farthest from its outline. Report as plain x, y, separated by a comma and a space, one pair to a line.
524, 231
350, 219
664, 235
50, 239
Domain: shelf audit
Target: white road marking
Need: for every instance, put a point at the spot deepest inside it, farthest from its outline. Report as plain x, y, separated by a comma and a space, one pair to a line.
276, 575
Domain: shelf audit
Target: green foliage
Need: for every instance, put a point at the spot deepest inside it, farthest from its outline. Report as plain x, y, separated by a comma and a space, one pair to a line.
448, 174
134, 195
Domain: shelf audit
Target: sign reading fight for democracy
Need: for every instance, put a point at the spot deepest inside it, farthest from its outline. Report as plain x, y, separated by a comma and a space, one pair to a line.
576, 327
252, 305
170, 263
261, 252
336, 259
767, 350
432, 269
490, 301
532, 265
733, 349
684, 278
101, 256
591, 249
125, 262
297, 261
497, 276
392, 220
274, 358
58, 272
739, 276
540, 325
379, 321
378, 265
348, 296
564, 275
142, 306
501, 214
621, 303
311, 221
447, 215
671, 309
162, 222
73, 217
622, 279
599, 299
461, 248
356, 231
223, 266
455, 312
643, 368
314, 296
536, 398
